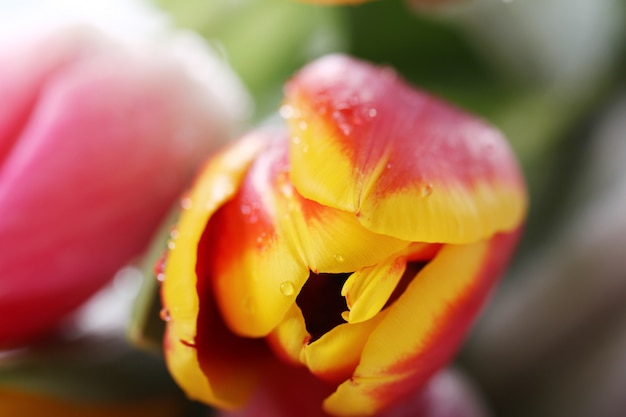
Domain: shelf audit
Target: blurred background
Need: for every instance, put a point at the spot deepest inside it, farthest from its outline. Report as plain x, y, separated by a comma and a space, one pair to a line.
550, 74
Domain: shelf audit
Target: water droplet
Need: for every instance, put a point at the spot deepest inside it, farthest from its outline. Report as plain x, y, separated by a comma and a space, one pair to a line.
302, 125
389, 166
159, 266
253, 219
186, 203
295, 140
171, 245
174, 233
427, 190
165, 314
287, 288
372, 113
286, 111
246, 209
160, 277
338, 258
305, 148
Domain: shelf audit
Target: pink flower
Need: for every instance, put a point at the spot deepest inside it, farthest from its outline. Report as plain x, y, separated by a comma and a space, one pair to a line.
96, 142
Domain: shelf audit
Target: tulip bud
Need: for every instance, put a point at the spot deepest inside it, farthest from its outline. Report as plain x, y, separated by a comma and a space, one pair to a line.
352, 249
97, 139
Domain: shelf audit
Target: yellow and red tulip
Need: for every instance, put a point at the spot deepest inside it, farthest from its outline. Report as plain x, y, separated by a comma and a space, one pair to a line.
97, 139
352, 250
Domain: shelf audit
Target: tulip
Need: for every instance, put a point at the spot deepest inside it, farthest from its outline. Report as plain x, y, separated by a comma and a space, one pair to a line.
97, 139
352, 249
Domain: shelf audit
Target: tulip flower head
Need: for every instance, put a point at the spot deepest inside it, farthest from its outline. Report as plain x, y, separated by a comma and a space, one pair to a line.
97, 140
348, 253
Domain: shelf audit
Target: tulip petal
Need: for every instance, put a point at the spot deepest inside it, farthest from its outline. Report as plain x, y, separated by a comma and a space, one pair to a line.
218, 373
368, 289
269, 238
409, 165
255, 276
290, 337
411, 343
334, 356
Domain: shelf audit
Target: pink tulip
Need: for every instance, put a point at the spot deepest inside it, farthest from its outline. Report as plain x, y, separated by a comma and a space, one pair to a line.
96, 142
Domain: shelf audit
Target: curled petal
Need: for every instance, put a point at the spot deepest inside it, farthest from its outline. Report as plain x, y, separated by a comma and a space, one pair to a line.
423, 327
207, 371
409, 165
368, 289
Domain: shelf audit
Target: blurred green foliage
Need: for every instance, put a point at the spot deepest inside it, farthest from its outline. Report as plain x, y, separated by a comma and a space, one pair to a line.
266, 41
263, 40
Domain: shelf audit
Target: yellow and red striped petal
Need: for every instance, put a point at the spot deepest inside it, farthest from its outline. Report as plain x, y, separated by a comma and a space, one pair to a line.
423, 328
409, 165
268, 238
209, 372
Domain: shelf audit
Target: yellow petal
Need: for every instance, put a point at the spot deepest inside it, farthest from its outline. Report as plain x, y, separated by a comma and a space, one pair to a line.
334, 356
423, 328
368, 289
290, 337
216, 184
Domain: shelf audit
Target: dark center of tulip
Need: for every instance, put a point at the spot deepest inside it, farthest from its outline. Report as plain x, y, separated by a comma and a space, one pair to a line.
321, 302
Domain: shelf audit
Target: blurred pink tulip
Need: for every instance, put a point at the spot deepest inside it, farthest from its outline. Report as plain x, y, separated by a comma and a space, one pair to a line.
96, 142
